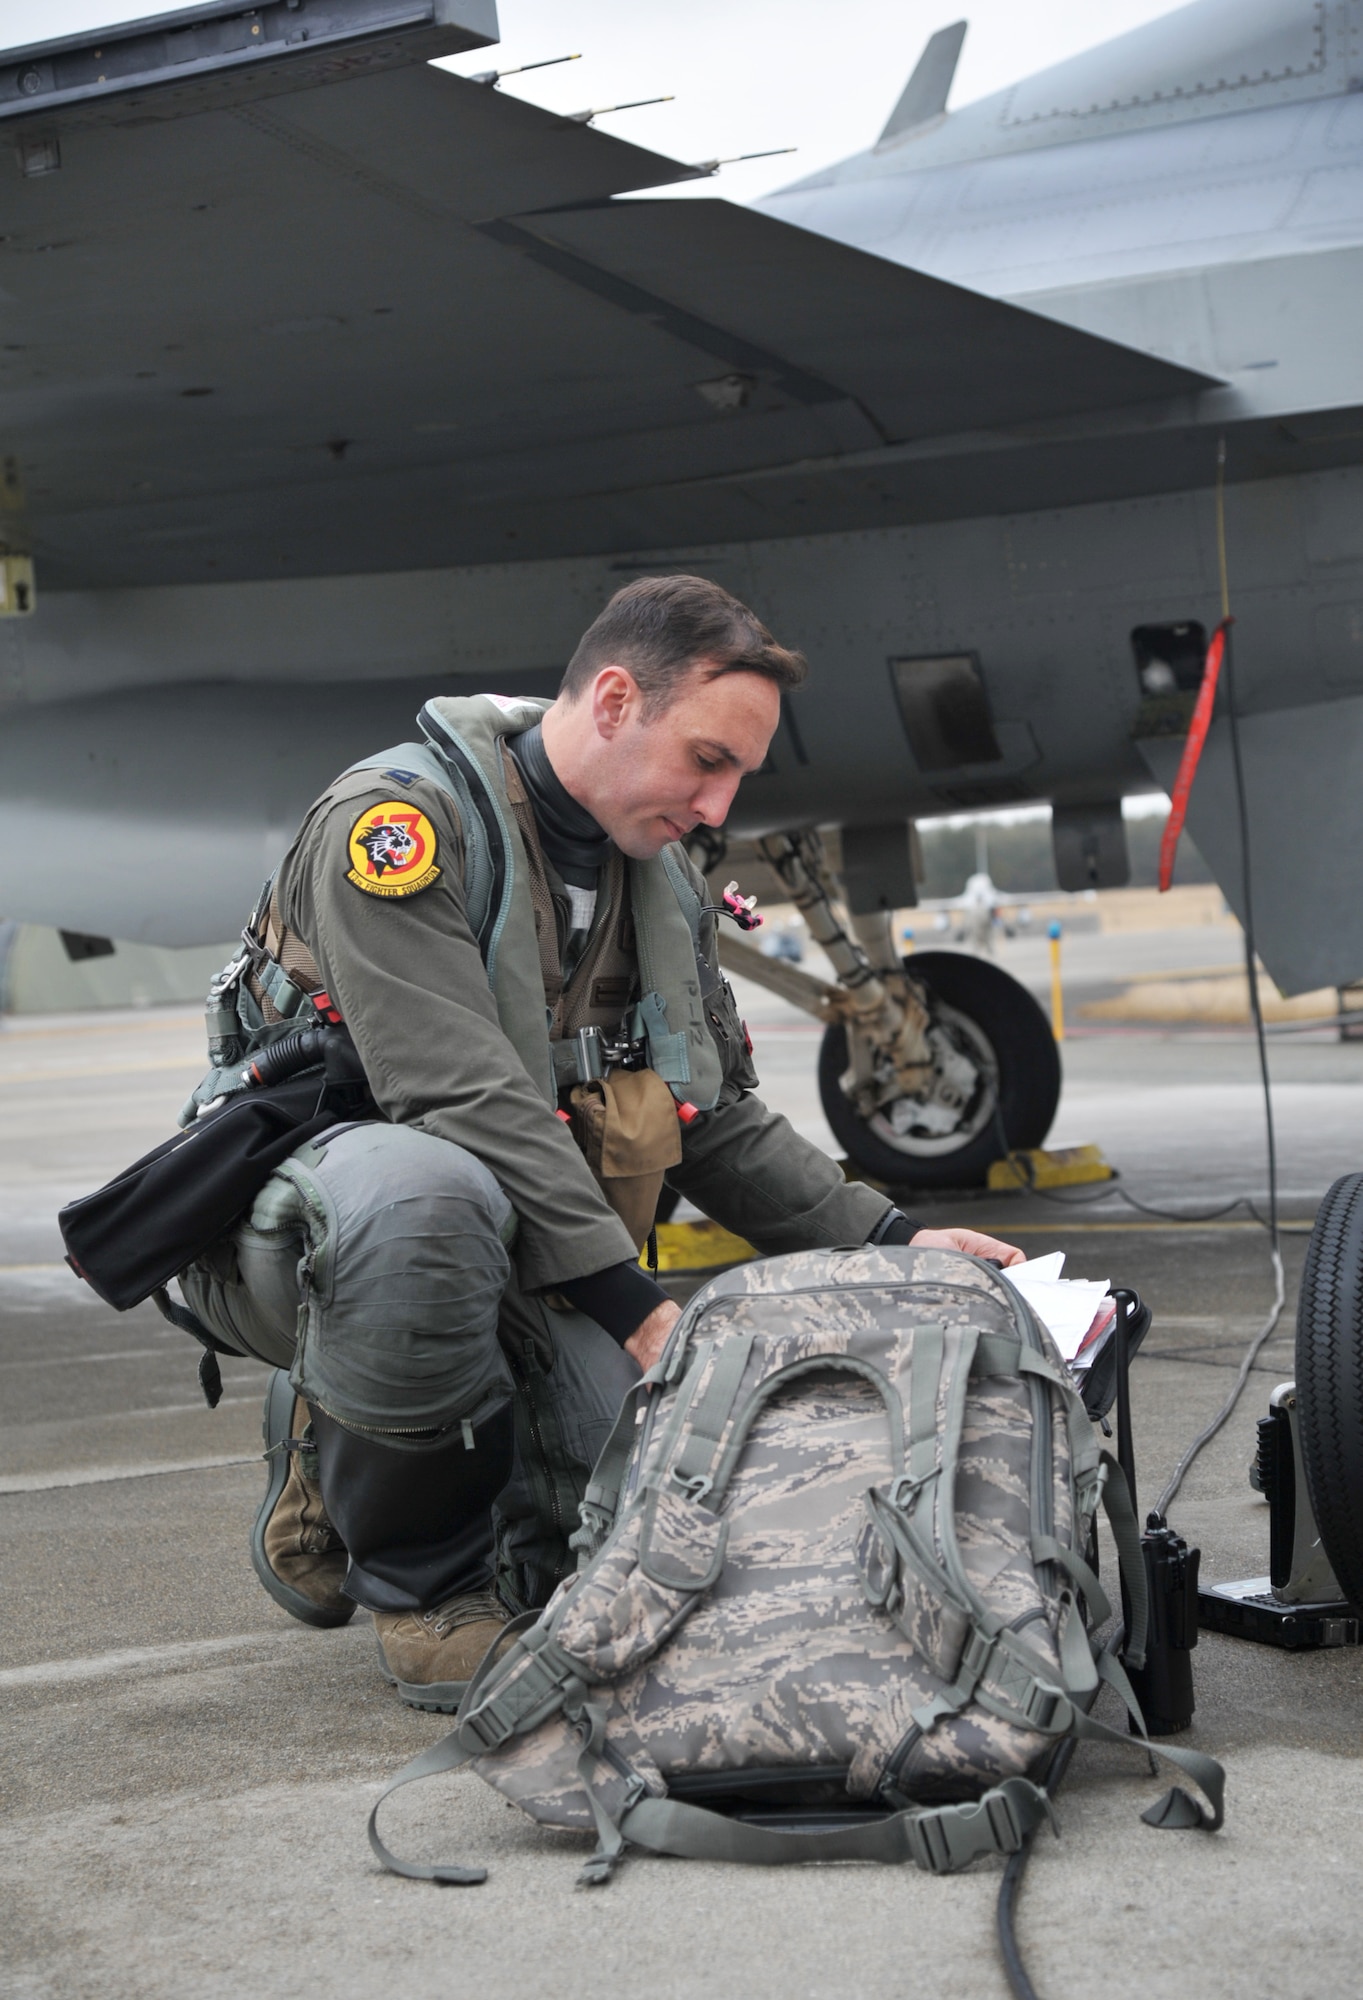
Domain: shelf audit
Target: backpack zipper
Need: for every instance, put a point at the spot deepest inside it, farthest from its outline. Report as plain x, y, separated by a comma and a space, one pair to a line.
1043, 1419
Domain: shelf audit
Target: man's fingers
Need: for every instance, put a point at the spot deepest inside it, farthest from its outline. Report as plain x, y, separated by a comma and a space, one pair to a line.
972, 1243
990, 1246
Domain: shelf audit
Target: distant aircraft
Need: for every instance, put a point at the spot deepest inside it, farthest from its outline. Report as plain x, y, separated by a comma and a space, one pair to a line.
975, 916
329, 380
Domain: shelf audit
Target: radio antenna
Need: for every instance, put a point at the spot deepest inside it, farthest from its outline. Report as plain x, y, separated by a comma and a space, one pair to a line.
492, 77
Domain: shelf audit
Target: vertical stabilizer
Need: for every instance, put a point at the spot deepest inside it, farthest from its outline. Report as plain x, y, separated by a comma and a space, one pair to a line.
925, 93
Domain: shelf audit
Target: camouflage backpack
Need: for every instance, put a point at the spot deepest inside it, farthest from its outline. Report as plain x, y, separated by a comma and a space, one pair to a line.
833, 1600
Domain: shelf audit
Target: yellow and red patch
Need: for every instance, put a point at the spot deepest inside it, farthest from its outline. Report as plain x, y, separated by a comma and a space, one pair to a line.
392, 850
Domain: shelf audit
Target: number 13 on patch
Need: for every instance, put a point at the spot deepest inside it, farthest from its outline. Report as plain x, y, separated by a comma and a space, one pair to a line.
392, 850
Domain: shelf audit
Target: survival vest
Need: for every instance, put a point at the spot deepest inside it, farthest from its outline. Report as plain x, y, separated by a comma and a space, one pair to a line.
258, 996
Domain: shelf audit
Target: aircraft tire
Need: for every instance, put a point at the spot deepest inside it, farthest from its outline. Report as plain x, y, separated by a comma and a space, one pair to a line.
1330, 1379
1029, 1076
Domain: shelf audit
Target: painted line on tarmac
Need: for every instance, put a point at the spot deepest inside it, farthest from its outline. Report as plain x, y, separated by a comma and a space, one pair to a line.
134, 1659
95, 1360
102, 1475
74, 1075
1143, 1228
111, 1021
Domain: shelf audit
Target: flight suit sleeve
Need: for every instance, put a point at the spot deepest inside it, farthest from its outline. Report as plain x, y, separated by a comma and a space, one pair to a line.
747, 1167
405, 972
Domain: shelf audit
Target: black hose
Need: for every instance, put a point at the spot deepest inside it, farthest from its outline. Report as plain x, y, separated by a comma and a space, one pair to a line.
302, 1048
1010, 1888
1024, 1168
1011, 1885
1261, 1338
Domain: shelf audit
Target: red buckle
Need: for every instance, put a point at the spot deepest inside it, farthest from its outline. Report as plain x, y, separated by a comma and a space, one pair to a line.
326, 1007
688, 1113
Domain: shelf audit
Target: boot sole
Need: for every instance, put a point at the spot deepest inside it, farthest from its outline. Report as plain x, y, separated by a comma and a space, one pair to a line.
275, 1426
436, 1697
439, 1698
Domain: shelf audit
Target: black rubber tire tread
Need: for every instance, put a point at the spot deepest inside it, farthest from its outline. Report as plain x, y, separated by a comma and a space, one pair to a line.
1029, 1076
1330, 1379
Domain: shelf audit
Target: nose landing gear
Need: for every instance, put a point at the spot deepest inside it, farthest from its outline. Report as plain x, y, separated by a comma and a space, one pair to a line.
930, 1068
995, 1077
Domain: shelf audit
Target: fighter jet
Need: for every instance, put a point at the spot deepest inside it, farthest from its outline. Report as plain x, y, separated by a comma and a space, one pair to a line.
330, 380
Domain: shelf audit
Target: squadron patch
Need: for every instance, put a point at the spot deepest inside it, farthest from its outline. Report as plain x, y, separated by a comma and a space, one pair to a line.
392, 850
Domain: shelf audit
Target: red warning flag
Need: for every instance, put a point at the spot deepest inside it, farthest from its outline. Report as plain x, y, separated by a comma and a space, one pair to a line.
1192, 751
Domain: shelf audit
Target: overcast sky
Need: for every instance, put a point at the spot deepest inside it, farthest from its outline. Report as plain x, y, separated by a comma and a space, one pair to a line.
745, 74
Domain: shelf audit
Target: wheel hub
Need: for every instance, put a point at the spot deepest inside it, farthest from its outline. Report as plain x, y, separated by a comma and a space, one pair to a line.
959, 1100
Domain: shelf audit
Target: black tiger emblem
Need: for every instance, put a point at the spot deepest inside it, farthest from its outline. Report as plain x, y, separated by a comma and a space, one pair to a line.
387, 846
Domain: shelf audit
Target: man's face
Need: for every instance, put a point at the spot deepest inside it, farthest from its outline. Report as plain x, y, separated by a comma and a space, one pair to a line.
679, 767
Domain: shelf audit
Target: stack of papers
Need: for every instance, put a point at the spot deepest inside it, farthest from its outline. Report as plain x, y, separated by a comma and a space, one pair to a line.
1077, 1312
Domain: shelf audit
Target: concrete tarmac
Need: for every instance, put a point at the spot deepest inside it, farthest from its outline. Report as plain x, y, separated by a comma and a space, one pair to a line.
186, 1772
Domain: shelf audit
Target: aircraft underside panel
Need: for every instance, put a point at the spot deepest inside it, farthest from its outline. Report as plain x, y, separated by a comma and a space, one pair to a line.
399, 321
1301, 771
168, 741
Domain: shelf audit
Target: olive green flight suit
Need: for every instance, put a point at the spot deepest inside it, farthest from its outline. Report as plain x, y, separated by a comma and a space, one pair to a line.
406, 973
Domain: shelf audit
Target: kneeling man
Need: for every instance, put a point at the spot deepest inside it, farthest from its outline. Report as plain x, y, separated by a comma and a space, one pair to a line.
507, 925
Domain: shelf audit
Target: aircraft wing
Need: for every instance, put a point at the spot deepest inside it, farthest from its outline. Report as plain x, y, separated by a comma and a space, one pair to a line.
360, 315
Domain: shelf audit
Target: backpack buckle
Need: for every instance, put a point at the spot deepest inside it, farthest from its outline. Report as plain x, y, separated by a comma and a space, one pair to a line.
696, 1485
954, 1836
595, 1524
905, 1490
998, 1823
1046, 1708
974, 1656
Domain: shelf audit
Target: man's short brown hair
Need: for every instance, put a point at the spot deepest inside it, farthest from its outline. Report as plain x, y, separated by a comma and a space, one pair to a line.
659, 627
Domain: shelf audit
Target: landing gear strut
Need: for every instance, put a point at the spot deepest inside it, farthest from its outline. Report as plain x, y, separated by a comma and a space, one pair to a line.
930, 1068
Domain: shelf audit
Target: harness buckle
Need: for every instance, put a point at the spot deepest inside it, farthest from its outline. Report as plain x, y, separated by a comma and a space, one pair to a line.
229, 978
598, 1053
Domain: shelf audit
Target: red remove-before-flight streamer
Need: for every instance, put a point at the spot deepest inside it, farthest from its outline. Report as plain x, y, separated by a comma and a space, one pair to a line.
1192, 752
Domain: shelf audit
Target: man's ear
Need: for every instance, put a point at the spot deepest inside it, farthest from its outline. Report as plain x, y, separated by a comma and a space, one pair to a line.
615, 696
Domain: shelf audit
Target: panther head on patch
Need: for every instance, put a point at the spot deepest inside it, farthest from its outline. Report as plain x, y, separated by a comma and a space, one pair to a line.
387, 846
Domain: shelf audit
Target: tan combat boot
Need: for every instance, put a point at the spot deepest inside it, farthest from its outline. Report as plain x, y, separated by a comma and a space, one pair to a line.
430, 1656
298, 1555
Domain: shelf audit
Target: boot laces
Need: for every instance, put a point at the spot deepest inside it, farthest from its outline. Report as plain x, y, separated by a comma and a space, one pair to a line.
472, 1607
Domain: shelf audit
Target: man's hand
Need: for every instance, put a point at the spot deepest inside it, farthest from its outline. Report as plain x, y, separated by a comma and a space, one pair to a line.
969, 1240
648, 1339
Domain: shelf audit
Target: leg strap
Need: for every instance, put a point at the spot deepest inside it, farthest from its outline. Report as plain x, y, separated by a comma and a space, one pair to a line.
210, 1375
